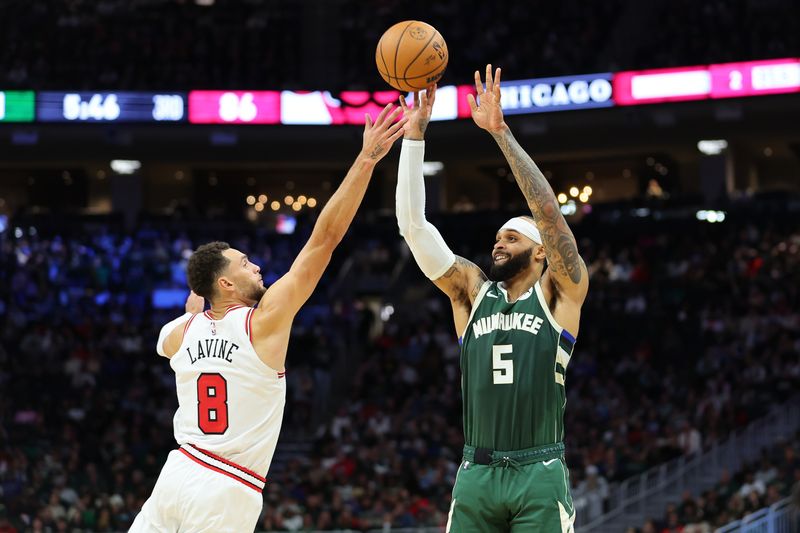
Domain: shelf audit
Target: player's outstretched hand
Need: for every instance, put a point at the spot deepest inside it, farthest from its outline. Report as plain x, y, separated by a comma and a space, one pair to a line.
381, 135
487, 114
195, 303
419, 115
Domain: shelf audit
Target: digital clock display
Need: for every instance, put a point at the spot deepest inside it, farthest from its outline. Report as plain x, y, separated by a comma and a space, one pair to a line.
110, 107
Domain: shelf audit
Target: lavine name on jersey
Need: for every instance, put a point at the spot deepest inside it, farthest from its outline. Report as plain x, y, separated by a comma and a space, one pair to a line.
520, 321
216, 348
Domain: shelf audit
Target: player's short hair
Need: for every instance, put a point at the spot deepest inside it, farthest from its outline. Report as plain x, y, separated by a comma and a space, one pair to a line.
206, 266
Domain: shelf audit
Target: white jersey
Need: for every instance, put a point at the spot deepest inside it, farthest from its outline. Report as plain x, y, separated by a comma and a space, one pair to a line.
230, 403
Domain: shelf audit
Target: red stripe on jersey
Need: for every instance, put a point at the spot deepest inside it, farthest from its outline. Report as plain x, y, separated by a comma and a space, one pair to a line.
229, 463
219, 470
186, 327
231, 308
227, 310
248, 325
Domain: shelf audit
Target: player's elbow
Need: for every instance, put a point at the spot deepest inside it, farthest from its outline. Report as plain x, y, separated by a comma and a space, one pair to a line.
402, 227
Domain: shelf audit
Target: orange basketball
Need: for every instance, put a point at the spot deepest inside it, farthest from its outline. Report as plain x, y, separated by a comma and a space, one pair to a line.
411, 55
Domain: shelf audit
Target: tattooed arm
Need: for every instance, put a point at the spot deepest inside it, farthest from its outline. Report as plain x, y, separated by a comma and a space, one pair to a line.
462, 282
566, 268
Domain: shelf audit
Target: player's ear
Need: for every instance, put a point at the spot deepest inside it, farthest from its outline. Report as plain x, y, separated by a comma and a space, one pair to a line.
539, 252
224, 284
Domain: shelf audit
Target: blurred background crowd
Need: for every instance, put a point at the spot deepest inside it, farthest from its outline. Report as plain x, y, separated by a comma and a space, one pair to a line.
691, 331
285, 44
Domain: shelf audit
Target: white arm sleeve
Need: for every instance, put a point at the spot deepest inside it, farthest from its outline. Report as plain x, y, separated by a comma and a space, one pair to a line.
167, 329
429, 249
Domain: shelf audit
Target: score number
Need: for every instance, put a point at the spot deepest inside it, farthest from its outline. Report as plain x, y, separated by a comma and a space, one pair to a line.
167, 107
98, 107
123, 106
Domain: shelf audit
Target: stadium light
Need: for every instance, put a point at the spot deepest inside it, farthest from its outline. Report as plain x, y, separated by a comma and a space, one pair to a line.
432, 168
125, 166
569, 208
712, 146
710, 216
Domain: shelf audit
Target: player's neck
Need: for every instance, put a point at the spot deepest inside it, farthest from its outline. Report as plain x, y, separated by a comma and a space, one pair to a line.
520, 284
221, 306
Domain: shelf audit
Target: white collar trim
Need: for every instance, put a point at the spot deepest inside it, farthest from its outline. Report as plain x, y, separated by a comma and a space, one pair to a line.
523, 296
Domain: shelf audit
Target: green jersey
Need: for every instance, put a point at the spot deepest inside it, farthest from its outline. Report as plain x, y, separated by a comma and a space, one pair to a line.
514, 359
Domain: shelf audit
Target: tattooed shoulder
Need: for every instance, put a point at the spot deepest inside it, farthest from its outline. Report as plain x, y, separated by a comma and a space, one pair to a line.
478, 284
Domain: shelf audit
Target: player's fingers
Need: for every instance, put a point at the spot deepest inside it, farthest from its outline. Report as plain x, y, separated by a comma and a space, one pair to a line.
367, 121
423, 99
382, 115
391, 118
398, 126
489, 83
478, 83
431, 95
497, 78
396, 135
416, 99
400, 130
403, 104
472, 104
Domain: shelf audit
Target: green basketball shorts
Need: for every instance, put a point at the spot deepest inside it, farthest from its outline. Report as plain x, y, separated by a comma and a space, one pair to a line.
508, 497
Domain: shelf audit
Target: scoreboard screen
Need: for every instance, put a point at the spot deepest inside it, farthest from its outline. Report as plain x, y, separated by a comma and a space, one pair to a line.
16, 106
235, 107
110, 107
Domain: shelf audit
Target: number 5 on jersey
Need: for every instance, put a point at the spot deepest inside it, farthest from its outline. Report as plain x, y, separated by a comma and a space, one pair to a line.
212, 404
502, 369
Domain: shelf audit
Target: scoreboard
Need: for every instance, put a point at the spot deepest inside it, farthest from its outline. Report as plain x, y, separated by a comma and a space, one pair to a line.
518, 97
110, 107
16, 106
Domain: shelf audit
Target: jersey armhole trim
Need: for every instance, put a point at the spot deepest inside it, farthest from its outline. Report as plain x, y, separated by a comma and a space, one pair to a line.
186, 327
540, 295
478, 299
248, 325
248, 329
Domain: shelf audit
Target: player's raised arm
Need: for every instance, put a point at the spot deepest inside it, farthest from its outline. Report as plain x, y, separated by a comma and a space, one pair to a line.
567, 269
460, 279
281, 302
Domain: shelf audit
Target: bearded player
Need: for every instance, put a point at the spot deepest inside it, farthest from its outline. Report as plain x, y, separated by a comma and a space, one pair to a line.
229, 365
517, 329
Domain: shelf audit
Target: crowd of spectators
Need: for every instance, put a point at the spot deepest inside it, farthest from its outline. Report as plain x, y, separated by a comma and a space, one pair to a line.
323, 44
755, 487
690, 330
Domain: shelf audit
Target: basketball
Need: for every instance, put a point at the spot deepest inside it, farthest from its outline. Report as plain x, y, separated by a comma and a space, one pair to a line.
411, 55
